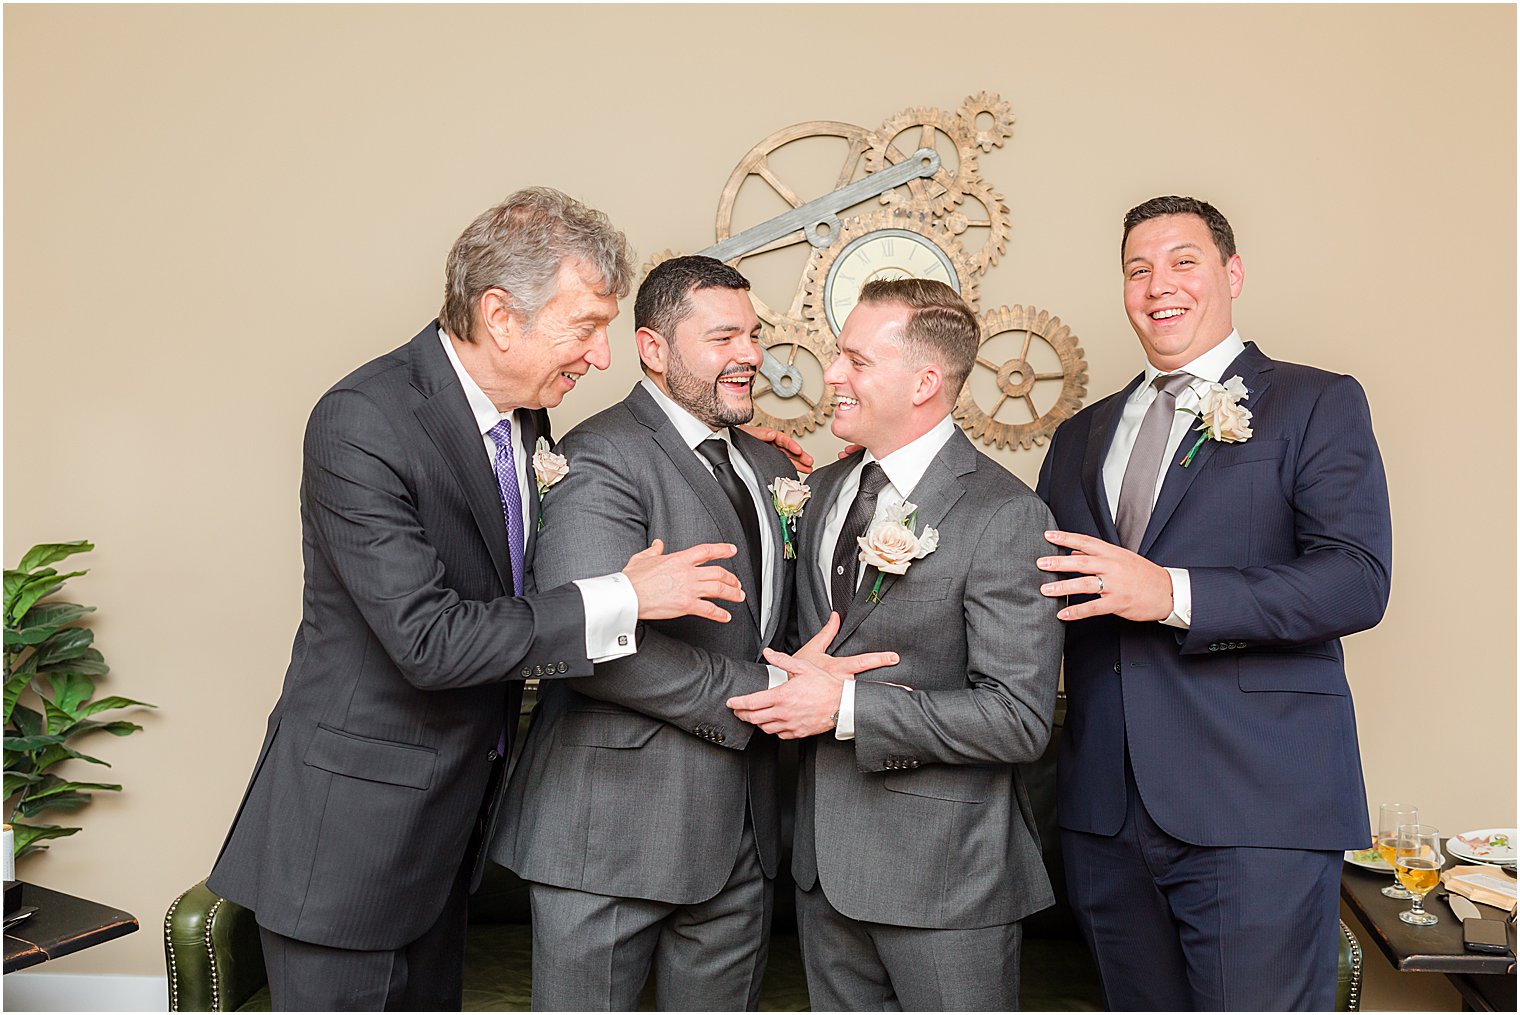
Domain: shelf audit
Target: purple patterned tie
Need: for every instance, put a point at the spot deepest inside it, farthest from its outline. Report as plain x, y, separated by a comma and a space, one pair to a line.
511, 498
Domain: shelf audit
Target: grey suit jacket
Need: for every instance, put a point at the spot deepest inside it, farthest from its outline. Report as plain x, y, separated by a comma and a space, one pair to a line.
633, 781
407, 661
922, 820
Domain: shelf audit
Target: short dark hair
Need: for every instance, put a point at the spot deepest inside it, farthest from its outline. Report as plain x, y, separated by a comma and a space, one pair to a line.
1219, 226
942, 327
662, 302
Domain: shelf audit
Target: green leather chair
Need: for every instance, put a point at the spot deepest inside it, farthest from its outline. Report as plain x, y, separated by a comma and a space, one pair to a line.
215, 962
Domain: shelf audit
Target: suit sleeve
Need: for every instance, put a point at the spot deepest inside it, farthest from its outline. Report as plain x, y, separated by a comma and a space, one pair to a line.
1013, 660
594, 523
367, 524
1339, 582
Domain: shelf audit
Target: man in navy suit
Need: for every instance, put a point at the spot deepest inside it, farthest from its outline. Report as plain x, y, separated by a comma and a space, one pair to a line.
1209, 771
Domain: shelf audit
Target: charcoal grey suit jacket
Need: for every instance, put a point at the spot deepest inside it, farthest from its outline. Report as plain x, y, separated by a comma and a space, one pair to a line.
408, 659
923, 820
633, 780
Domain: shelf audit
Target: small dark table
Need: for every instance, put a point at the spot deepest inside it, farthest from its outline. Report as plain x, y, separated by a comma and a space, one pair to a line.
61, 925
1486, 982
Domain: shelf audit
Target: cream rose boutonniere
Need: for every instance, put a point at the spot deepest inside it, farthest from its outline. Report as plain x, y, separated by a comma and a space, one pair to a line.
1221, 417
788, 497
889, 544
548, 468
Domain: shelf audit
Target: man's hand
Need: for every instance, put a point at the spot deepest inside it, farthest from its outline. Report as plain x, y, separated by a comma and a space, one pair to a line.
785, 444
850, 449
809, 700
843, 667
806, 704
1126, 584
678, 585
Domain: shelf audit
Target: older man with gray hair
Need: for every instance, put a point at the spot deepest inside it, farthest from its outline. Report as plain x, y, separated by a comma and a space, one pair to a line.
357, 839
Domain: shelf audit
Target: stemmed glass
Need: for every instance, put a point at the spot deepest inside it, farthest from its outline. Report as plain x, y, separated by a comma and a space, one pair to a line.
1418, 862
1390, 817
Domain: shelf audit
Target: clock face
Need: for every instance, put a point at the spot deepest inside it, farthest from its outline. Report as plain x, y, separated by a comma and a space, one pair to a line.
882, 253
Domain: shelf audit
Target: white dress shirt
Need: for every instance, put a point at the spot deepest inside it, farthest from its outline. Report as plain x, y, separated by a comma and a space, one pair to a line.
1208, 367
904, 468
611, 604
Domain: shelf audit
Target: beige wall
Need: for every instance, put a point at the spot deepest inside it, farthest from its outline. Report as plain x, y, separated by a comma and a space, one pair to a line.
211, 214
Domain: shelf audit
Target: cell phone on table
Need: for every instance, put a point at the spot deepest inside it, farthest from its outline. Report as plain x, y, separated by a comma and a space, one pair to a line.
1485, 936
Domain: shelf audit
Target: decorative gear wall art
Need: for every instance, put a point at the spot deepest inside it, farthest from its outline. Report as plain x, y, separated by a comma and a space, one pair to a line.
906, 200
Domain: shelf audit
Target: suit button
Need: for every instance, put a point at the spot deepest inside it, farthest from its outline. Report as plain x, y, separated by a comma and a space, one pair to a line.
563, 668
538, 671
719, 736
1118, 668
527, 672
913, 763
492, 756
1214, 647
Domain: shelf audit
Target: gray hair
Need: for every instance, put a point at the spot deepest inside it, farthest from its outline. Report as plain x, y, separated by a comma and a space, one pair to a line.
518, 246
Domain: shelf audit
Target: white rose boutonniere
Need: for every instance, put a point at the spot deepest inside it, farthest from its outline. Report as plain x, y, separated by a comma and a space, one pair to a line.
548, 468
788, 497
1221, 417
889, 544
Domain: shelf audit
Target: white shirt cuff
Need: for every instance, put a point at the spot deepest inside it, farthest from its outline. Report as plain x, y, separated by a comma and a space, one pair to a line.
778, 676
1182, 599
844, 729
612, 613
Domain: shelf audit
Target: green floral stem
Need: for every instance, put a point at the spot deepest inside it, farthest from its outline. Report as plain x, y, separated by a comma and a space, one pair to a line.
875, 595
1188, 458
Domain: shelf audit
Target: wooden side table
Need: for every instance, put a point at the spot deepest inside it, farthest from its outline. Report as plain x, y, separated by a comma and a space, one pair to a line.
61, 925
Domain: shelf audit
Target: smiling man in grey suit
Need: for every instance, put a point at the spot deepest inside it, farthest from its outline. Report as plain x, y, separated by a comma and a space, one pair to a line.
916, 853
643, 814
355, 843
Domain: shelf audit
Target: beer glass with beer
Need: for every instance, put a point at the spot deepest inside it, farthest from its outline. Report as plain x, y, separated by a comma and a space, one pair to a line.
1390, 817
1418, 861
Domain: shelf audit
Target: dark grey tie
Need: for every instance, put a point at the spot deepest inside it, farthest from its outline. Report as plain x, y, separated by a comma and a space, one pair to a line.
1137, 494
843, 575
715, 450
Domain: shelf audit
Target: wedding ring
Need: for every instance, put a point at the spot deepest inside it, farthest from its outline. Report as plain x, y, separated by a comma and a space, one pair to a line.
1100, 583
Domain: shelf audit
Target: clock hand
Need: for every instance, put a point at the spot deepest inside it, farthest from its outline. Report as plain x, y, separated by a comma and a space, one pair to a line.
786, 381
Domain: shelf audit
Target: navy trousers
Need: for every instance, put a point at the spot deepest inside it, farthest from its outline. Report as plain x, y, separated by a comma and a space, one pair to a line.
1179, 927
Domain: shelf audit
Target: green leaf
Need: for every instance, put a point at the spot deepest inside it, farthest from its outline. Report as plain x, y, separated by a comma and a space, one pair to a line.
63, 786
33, 590
118, 728
35, 742
112, 701
15, 684
44, 619
27, 836
57, 719
14, 780
28, 721
51, 553
71, 690
89, 662
66, 643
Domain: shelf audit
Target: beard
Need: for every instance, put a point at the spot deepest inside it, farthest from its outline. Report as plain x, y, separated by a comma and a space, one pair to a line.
702, 398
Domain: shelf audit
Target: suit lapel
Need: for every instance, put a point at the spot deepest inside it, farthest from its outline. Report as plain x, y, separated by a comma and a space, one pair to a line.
937, 492
446, 416
1105, 420
699, 479
535, 425
1253, 369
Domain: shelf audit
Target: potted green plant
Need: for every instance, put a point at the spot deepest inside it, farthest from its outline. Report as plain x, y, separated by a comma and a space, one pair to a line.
50, 671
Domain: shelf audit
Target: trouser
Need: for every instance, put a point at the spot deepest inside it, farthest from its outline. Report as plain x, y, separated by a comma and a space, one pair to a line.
1179, 927
593, 952
853, 965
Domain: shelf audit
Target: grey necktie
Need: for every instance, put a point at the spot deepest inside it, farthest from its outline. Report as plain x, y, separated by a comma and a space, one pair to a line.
842, 579
1137, 494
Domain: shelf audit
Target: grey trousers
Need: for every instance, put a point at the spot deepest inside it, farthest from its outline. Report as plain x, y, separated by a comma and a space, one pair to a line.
594, 952
857, 966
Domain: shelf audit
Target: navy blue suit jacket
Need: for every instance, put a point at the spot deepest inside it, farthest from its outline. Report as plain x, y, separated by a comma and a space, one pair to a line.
1241, 729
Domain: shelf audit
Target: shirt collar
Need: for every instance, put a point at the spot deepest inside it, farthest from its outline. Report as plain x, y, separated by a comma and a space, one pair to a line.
481, 407
907, 465
692, 430
1208, 367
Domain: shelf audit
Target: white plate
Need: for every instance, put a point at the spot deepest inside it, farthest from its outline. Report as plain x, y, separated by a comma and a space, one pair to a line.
1480, 854
1368, 859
